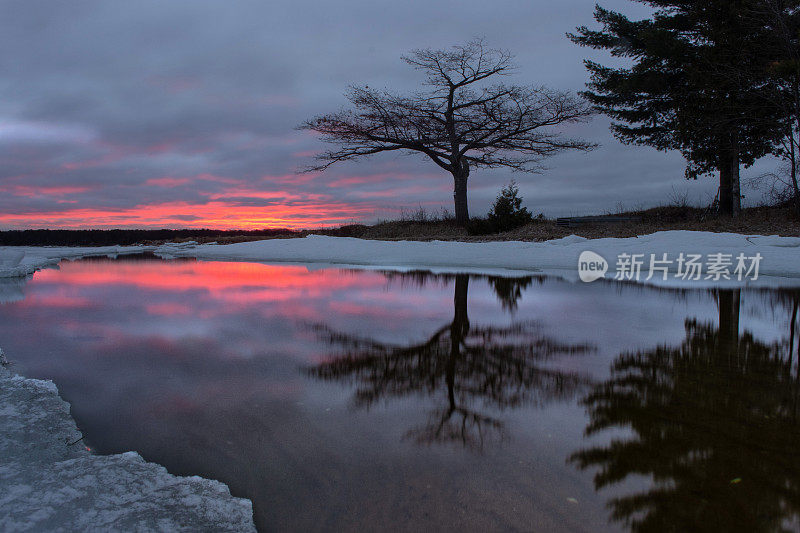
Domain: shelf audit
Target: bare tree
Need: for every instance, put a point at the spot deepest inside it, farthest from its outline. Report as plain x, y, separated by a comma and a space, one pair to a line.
462, 121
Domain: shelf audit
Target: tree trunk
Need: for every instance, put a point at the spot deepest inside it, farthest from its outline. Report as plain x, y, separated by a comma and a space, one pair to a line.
792, 331
728, 336
460, 194
725, 184
736, 189
460, 325
730, 194
458, 332
795, 187
796, 93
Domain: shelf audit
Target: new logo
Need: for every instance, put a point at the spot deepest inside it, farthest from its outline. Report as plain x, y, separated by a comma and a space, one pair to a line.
591, 266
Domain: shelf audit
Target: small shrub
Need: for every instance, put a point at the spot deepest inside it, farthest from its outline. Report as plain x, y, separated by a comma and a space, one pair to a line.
507, 212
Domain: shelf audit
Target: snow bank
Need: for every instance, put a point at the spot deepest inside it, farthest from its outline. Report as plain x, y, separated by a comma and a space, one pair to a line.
780, 264
48, 485
780, 255
20, 261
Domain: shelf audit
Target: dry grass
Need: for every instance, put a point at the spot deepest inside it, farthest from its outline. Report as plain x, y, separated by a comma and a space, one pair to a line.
757, 220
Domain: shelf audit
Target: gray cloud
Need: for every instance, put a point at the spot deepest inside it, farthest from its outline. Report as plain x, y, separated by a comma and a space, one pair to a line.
112, 105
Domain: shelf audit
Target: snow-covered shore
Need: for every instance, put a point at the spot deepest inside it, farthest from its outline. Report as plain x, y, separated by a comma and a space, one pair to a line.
50, 482
20, 261
779, 266
780, 256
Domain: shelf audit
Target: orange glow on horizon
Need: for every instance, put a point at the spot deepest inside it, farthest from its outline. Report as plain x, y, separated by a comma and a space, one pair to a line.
219, 202
215, 214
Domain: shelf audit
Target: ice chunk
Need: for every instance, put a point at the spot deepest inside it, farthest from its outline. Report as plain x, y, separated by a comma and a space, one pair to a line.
49, 485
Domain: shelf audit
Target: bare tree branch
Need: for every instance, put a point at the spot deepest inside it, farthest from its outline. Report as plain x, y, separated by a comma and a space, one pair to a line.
461, 122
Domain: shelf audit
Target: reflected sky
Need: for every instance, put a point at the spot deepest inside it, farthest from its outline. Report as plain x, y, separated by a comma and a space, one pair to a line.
340, 399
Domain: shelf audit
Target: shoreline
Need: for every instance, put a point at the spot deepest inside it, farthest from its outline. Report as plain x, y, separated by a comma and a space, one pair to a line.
51, 481
422, 227
779, 265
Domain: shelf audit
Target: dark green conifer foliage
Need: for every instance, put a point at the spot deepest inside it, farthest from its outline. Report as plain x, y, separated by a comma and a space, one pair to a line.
696, 82
507, 212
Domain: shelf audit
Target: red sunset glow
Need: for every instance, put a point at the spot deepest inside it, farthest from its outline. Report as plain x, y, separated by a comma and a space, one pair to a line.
209, 201
215, 214
217, 278
230, 287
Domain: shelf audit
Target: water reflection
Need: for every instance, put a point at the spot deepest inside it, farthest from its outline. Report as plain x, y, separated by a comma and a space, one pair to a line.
211, 369
715, 427
471, 372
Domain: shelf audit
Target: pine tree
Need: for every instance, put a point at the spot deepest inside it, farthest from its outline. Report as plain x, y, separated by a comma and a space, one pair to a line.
697, 84
507, 212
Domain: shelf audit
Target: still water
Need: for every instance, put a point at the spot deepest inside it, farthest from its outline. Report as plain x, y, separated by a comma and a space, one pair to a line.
365, 400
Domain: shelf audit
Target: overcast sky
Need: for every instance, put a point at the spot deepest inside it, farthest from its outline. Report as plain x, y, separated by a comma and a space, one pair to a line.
182, 112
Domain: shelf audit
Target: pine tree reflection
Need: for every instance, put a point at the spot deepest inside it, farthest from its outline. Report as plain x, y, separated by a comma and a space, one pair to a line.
481, 370
509, 290
715, 426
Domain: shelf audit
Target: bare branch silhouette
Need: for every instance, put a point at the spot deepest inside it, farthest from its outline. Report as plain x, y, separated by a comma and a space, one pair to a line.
493, 368
460, 123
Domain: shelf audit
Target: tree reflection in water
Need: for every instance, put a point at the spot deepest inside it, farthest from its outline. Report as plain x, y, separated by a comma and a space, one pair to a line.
475, 372
715, 427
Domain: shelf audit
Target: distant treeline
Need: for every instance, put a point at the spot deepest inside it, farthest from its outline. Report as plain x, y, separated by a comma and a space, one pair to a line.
95, 237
